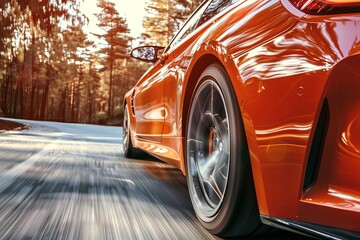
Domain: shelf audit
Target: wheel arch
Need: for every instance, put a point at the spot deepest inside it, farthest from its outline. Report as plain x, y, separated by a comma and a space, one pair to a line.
198, 67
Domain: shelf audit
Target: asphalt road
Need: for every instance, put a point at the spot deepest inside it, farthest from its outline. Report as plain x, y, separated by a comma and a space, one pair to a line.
71, 181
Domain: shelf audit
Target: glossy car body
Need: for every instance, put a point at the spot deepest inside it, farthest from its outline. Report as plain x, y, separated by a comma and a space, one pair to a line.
296, 77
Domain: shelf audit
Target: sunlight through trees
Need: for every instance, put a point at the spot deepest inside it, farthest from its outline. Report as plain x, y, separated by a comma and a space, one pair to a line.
50, 70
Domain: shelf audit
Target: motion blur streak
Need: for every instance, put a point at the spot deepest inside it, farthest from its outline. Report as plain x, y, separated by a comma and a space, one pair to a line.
70, 181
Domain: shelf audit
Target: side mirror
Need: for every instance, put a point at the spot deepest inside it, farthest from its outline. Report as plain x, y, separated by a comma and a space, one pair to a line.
146, 53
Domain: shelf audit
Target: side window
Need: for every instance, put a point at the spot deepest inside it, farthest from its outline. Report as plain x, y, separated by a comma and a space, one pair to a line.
215, 7
189, 26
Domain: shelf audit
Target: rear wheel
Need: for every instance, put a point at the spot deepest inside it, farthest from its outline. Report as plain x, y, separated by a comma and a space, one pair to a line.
218, 168
128, 149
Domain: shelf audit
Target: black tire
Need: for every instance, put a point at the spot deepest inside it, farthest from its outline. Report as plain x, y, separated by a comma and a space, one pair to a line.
219, 174
128, 149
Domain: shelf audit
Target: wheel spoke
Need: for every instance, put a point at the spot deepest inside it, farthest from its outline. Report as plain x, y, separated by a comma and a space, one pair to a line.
221, 125
220, 175
213, 192
206, 168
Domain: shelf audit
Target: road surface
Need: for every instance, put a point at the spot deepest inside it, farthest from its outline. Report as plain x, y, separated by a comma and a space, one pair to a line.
71, 181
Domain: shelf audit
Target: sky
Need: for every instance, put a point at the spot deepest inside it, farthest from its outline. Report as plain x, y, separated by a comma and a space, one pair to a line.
132, 10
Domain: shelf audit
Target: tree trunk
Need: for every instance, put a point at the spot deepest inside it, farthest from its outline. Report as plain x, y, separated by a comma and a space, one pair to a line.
78, 97
32, 101
5, 94
44, 100
110, 89
62, 112
72, 103
14, 110
21, 101
89, 112
37, 102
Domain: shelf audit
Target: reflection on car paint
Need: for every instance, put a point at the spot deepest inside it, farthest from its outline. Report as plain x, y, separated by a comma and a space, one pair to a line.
283, 66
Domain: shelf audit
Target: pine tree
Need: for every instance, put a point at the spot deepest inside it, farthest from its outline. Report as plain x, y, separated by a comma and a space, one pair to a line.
27, 67
117, 42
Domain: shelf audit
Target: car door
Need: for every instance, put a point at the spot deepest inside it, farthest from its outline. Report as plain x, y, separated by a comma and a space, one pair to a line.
148, 103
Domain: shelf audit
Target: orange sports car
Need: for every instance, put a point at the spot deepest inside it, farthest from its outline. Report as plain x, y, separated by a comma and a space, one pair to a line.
258, 103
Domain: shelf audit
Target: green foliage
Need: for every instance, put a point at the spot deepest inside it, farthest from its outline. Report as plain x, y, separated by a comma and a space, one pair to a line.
100, 117
118, 111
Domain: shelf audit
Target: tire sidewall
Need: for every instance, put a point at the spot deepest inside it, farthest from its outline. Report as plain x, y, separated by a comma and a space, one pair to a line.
127, 151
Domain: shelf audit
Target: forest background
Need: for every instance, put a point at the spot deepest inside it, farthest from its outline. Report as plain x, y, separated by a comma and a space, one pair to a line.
51, 69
